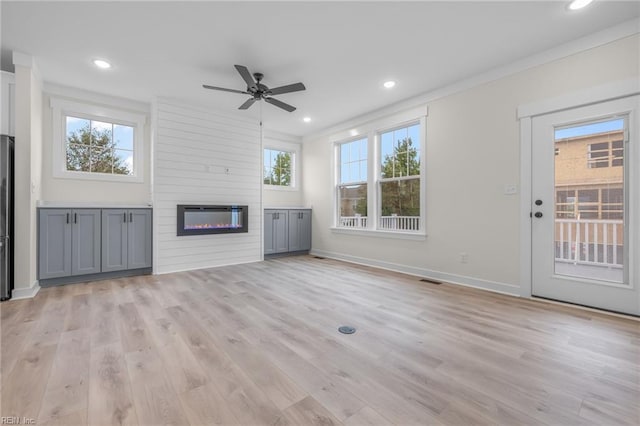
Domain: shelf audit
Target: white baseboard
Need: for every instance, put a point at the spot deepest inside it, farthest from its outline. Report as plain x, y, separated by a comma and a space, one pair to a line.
494, 286
25, 293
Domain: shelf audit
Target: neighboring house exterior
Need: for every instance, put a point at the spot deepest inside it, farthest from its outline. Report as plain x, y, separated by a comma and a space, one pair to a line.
589, 208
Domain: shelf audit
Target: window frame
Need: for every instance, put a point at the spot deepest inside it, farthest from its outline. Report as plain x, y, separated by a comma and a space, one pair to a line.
380, 180
338, 174
372, 131
290, 147
63, 108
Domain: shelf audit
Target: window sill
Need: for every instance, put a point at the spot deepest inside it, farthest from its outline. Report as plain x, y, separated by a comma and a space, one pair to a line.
280, 188
103, 177
415, 236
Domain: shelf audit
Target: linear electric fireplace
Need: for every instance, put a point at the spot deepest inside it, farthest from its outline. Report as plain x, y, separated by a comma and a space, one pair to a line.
199, 219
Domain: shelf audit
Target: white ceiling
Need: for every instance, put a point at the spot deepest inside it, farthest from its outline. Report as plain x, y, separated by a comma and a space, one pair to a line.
342, 51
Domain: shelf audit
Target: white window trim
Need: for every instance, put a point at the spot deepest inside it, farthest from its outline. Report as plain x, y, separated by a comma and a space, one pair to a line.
337, 163
288, 147
61, 108
372, 131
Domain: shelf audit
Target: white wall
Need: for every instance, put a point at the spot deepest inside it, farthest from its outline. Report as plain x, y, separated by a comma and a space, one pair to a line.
193, 147
284, 197
28, 160
7, 103
472, 151
99, 192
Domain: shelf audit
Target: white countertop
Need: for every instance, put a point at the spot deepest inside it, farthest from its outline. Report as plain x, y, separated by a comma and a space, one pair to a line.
86, 205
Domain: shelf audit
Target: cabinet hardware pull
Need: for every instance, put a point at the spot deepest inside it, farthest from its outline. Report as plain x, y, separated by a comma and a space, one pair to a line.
125, 217
67, 218
130, 217
75, 218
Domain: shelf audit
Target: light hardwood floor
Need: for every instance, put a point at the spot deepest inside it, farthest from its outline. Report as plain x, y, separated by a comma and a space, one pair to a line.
257, 344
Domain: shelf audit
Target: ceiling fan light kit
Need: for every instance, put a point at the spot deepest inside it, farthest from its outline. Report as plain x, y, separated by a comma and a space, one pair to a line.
259, 91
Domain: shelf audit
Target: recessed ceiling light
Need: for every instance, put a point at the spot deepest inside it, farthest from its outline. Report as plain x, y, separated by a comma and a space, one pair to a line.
101, 63
307, 119
579, 4
389, 84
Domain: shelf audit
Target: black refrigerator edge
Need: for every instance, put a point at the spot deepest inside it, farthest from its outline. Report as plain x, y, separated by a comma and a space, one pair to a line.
6, 216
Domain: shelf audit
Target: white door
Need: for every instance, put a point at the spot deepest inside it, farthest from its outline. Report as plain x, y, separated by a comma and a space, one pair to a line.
585, 206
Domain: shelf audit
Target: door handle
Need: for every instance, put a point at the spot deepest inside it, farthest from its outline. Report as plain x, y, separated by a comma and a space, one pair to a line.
538, 214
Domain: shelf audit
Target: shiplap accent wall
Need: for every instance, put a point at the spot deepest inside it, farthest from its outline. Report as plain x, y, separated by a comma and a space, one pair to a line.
193, 148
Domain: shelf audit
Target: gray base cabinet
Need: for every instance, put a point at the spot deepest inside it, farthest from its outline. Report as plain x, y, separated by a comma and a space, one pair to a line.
275, 231
126, 239
69, 242
90, 242
287, 231
299, 230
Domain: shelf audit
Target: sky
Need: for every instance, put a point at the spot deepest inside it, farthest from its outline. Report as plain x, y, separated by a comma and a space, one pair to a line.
590, 128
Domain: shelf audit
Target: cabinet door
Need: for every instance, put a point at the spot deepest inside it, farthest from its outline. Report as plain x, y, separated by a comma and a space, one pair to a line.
54, 243
294, 230
139, 238
269, 237
305, 230
85, 241
299, 230
281, 231
114, 240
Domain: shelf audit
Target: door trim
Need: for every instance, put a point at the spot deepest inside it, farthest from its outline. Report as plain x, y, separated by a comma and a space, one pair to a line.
525, 114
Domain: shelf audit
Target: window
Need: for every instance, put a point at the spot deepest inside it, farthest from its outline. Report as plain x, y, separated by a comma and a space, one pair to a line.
99, 147
352, 184
278, 167
98, 143
399, 183
605, 154
379, 177
613, 203
596, 203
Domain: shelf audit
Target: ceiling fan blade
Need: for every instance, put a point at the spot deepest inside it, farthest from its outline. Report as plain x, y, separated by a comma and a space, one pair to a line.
206, 86
248, 103
246, 76
280, 104
296, 87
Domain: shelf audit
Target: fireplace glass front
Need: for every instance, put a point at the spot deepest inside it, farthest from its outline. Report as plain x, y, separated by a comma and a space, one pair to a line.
199, 219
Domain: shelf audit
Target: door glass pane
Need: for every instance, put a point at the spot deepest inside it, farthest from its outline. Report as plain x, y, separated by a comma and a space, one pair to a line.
589, 202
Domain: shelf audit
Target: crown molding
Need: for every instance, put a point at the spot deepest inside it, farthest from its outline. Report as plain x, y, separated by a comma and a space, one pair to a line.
618, 32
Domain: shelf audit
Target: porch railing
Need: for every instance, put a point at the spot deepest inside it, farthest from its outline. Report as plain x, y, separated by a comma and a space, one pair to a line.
388, 223
590, 242
353, 221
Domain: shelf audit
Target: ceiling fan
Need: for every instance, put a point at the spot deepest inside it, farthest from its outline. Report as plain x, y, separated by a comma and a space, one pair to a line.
259, 91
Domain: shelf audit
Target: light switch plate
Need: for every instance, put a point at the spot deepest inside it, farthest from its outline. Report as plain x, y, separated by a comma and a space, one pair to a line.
510, 189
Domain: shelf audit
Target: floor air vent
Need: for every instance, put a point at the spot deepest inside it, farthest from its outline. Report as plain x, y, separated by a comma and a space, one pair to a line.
427, 280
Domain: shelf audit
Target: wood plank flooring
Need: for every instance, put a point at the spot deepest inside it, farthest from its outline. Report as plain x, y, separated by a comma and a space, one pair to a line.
257, 344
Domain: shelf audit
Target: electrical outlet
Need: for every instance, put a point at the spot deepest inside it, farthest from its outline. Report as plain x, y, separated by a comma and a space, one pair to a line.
464, 257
